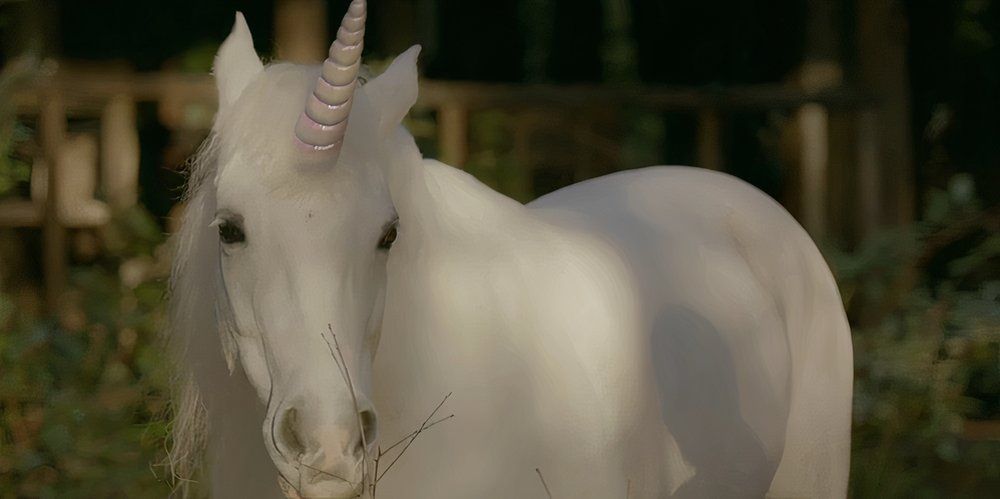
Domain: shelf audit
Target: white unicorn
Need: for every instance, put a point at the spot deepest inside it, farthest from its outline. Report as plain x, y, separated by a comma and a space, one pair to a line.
664, 332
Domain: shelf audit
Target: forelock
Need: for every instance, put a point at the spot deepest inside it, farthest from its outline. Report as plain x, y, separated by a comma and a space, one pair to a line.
257, 131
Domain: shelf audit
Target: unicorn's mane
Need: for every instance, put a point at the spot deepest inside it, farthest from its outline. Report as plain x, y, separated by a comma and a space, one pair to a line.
192, 332
214, 407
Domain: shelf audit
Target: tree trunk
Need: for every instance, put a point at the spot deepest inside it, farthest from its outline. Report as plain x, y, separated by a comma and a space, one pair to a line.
821, 70
300, 31
882, 39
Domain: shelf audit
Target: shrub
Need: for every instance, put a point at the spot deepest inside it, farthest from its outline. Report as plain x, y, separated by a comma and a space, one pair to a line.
924, 302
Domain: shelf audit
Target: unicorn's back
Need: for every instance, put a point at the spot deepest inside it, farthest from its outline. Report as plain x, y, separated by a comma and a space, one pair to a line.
747, 338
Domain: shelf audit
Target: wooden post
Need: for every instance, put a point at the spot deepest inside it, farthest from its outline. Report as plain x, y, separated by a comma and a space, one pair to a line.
119, 152
709, 146
814, 156
842, 172
300, 32
453, 134
52, 133
869, 184
820, 70
882, 55
76, 186
396, 23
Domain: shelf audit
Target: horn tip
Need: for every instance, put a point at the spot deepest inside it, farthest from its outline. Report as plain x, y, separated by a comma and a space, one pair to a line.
358, 8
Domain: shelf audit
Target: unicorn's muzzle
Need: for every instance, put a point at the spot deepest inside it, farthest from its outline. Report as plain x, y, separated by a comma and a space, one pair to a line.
321, 453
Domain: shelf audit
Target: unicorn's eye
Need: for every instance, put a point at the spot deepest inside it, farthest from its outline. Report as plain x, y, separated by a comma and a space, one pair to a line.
388, 237
231, 233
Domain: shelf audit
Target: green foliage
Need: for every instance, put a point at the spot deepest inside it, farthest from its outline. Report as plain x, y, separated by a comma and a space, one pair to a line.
492, 158
14, 171
925, 305
82, 397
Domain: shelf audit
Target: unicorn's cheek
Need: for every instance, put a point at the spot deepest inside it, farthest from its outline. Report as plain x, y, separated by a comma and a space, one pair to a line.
254, 363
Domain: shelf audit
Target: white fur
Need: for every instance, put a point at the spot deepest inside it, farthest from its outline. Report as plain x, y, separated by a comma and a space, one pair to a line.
669, 332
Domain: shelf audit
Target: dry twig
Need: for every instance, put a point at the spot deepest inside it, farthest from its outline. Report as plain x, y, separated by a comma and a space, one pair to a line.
342, 366
423, 427
370, 481
542, 478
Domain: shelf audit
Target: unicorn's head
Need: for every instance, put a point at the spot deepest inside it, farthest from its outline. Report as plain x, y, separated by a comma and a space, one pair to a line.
298, 218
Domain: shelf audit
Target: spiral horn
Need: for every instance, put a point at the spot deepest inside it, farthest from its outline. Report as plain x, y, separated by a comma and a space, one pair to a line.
323, 123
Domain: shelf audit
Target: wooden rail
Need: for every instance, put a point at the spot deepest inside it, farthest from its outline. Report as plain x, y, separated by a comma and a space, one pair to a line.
476, 95
111, 95
187, 102
88, 90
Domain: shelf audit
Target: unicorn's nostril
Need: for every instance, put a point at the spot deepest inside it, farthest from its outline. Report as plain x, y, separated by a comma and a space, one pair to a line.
369, 430
290, 437
369, 425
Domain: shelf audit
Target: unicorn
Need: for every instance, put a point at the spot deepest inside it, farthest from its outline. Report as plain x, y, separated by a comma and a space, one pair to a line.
350, 319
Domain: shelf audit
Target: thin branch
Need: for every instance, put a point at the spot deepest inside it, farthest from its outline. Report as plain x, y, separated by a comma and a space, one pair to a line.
381, 453
327, 473
342, 365
375, 471
542, 478
370, 481
423, 426
393, 446
288, 482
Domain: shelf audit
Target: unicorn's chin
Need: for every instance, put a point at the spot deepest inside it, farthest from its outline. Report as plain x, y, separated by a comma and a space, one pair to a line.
328, 489
288, 490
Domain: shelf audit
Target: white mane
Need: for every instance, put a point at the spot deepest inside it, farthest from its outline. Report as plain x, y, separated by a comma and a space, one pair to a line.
192, 316
204, 369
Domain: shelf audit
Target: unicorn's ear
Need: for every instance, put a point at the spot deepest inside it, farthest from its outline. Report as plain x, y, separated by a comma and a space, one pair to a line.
394, 92
236, 63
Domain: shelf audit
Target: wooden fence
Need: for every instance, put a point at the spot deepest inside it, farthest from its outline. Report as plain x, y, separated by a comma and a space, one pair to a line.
64, 192
66, 196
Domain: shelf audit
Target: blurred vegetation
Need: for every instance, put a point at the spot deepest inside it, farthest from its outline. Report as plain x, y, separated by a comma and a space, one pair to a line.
924, 301
14, 169
83, 395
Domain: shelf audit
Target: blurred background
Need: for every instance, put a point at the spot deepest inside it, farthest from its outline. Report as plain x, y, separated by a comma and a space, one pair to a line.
875, 122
